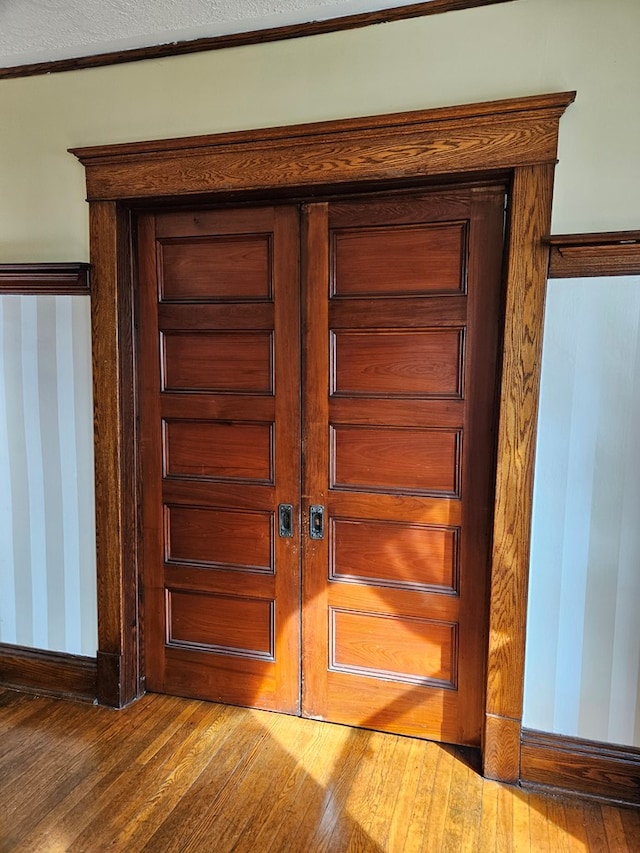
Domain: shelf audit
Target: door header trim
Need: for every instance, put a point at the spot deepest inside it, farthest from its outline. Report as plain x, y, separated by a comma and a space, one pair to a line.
450, 140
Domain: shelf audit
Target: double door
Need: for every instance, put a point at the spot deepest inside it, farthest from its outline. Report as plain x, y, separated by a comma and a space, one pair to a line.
317, 396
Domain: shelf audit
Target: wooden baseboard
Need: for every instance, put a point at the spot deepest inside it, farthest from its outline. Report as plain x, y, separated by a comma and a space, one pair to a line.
602, 770
48, 673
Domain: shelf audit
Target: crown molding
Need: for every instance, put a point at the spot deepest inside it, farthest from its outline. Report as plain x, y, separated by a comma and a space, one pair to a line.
263, 36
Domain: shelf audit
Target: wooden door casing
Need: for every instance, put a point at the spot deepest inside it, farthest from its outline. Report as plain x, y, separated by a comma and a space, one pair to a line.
219, 408
403, 311
516, 139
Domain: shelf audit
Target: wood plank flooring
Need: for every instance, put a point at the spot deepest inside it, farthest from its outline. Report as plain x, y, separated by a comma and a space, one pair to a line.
171, 774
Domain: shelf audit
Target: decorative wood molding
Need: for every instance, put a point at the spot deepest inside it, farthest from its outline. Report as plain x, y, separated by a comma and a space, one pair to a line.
407, 146
523, 326
501, 749
312, 28
607, 253
41, 279
514, 141
119, 666
48, 673
586, 766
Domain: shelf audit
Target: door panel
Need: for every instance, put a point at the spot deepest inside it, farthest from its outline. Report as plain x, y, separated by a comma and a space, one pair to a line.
219, 319
398, 259
402, 364
418, 651
244, 363
402, 307
220, 451
398, 340
419, 556
232, 267
391, 459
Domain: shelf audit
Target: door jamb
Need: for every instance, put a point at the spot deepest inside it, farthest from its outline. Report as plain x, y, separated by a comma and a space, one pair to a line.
516, 138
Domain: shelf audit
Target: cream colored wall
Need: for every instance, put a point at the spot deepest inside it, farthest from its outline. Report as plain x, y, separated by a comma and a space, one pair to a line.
513, 49
519, 48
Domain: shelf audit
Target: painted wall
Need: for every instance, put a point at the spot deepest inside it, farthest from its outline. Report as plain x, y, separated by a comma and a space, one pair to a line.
583, 662
47, 529
514, 49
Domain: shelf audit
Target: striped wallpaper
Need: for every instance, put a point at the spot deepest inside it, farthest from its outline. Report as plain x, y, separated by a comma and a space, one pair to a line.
47, 529
583, 638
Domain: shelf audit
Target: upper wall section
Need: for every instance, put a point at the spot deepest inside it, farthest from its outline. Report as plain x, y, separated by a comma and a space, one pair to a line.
488, 53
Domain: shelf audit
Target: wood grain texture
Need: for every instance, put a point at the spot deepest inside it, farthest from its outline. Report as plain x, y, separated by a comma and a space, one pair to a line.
232, 268
39, 279
181, 776
219, 537
382, 459
218, 450
404, 364
585, 766
114, 442
50, 673
180, 48
426, 556
315, 413
221, 623
244, 362
401, 632
497, 135
378, 261
501, 749
603, 254
526, 286
221, 588
418, 651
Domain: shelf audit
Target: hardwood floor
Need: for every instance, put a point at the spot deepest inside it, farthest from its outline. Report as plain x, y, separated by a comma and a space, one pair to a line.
171, 774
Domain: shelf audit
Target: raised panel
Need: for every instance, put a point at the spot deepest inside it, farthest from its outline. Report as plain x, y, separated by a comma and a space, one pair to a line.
393, 554
382, 459
221, 451
397, 260
221, 623
218, 361
418, 651
398, 364
216, 268
229, 539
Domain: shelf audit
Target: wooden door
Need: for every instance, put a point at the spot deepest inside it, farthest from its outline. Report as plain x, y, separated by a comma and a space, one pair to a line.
219, 387
402, 318
398, 341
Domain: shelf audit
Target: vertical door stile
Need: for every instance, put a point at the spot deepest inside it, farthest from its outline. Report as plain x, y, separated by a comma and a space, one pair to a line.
481, 381
286, 384
315, 450
149, 371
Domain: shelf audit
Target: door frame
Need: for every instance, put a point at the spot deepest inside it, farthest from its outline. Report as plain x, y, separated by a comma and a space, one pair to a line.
513, 140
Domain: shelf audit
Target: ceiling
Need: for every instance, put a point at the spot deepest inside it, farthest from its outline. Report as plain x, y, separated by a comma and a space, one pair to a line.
45, 30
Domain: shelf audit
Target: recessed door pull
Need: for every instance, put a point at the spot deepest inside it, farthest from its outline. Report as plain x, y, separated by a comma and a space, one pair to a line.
285, 520
316, 522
